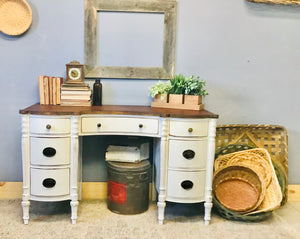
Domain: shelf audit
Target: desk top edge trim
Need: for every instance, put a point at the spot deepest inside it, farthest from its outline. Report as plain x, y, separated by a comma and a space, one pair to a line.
38, 109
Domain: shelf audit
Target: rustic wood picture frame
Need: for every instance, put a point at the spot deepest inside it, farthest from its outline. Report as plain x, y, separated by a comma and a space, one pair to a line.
286, 2
92, 67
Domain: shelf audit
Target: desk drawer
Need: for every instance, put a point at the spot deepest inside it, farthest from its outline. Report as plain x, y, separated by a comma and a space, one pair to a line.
188, 154
186, 187
119, 125
49, 151
50, 182
189, 128
44, 125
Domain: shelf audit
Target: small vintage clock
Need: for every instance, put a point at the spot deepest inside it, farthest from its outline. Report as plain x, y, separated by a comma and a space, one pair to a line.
75, 72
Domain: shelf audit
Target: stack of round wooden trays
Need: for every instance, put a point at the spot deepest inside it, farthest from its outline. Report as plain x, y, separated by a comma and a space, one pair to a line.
273, 138
239, 188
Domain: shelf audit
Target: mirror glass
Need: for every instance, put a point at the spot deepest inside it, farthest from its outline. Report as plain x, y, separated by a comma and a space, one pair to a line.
130, 39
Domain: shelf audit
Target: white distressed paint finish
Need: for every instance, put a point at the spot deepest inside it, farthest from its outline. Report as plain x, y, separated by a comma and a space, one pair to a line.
172, 167
39, 132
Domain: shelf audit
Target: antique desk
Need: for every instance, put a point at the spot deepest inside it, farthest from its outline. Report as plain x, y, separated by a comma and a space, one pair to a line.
184, 144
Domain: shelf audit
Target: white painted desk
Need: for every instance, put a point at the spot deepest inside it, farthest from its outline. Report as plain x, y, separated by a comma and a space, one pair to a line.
184, 144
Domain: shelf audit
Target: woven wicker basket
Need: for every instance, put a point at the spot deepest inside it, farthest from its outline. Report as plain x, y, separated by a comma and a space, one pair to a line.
239, 188
286, 2
258, 160
234, 216
259, 214
248, 159
271, 137
15, 17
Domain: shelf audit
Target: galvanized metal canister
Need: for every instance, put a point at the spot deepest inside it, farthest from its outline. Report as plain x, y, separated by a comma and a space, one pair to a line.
128, 187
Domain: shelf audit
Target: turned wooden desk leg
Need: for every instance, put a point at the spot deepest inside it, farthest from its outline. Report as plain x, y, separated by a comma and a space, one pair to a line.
161, 204
25, 206
75, 165
207, 206
26, 167
74, 207
163, 165
209, 171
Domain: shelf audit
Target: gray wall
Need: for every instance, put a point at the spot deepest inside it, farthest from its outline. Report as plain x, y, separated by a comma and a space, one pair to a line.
248, 53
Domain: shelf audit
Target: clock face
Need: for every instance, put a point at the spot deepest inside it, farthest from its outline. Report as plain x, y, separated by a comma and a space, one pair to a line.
74, 74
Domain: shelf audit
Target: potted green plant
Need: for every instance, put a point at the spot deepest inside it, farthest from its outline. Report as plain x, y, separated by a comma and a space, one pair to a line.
160, 91
177, 89
194, 90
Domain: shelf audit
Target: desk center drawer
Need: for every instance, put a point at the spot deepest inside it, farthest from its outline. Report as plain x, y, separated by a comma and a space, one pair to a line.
119, 125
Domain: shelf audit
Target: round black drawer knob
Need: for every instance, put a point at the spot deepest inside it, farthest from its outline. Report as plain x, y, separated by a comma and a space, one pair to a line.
49, 152
188, 154
48, 126
98, 125
141, 126
49, 183
187, 184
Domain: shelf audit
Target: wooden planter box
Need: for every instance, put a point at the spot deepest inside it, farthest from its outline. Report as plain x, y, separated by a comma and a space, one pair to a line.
161, 98
175, 99
187, 102
192, 99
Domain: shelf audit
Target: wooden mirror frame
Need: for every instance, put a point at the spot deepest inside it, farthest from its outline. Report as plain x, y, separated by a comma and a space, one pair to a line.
93, 70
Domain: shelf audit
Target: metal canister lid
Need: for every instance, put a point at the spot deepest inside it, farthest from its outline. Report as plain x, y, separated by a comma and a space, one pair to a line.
129, 167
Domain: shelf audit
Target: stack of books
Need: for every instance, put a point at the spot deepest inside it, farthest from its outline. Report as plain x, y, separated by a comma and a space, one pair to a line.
49, 89
75, 94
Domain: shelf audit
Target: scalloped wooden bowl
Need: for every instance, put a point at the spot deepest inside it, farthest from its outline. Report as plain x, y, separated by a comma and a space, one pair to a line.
15, 17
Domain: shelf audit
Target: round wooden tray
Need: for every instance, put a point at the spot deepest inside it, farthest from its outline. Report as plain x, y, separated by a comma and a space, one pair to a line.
238, 188
274, 138
257, 215
15, 17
